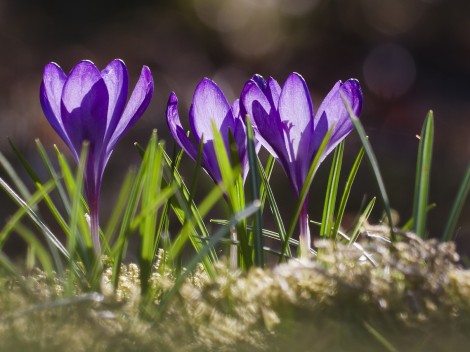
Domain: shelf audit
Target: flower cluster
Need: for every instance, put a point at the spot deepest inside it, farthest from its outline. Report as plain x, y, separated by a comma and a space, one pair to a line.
90, 105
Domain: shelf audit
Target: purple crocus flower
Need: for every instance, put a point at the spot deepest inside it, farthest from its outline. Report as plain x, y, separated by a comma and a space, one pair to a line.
209, 106
90, 105
288, 128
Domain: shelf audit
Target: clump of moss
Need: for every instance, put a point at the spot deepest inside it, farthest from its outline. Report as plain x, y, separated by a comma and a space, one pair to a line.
410, 295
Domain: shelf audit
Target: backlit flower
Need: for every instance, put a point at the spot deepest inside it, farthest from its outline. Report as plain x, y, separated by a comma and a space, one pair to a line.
209, 107
90, 105
289, 129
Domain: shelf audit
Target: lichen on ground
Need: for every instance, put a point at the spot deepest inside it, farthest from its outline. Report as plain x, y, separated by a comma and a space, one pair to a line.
414, 295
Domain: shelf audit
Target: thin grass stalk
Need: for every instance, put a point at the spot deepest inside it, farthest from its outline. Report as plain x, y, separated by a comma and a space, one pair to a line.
374, 165
255, 193
451, 225
331, 192
423, 170
346, 192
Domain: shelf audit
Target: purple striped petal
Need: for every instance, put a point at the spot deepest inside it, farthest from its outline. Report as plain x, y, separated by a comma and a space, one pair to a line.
85, 106
273, 92
116, 78
210, 105
135, 108
259, 110
296, 112
176, 129
333, 111
50, 96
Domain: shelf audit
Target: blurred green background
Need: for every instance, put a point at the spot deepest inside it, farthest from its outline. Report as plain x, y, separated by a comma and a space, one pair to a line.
409, 55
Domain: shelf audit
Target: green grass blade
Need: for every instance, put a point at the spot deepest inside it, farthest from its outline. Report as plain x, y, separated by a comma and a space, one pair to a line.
53, 173
204, 207
372, 160
423, 170
346, 192
54, 242
119, 248
380, 338
185, 211
196, 259
15, 219
331, 192
449, 230
151, 186
410, 223
255, 192
20, 186
362, 219
268, 171
305, 188
24, 162
233, 185
33, 243
119, 206
273, 206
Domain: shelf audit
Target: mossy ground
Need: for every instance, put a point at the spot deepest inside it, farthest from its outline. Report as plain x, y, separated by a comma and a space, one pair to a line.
416, 298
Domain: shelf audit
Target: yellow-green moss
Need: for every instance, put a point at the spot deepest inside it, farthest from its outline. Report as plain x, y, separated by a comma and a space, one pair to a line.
416, 298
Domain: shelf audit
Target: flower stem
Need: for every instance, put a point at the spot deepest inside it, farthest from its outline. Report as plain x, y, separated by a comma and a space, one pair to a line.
304, 238
95, 223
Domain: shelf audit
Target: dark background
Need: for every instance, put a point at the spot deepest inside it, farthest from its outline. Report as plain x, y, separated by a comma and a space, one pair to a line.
409, 55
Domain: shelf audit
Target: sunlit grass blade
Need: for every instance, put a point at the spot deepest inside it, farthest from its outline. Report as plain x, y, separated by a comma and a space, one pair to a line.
274, 208
380, 338
331, 191
151, 187
346, 192
54, 243
266, 233
53, 173
305, 188
119, 248
196, 173
184, 211
410, 222
255, 193
196, 259
33, 200
19, 184
79, 243
451, 225
374, 165
204, 207
119, 206
362, 219
21, 187
36, 246
68, 178
267, 171
354, 244
233, 185
78, 209
423, 170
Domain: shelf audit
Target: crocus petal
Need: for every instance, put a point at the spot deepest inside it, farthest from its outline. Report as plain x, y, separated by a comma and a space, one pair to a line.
210, 106
263, 118
296, 112
116, 78
333, 110
136, 106
273, 92
84, 106
176, 129
50, 96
